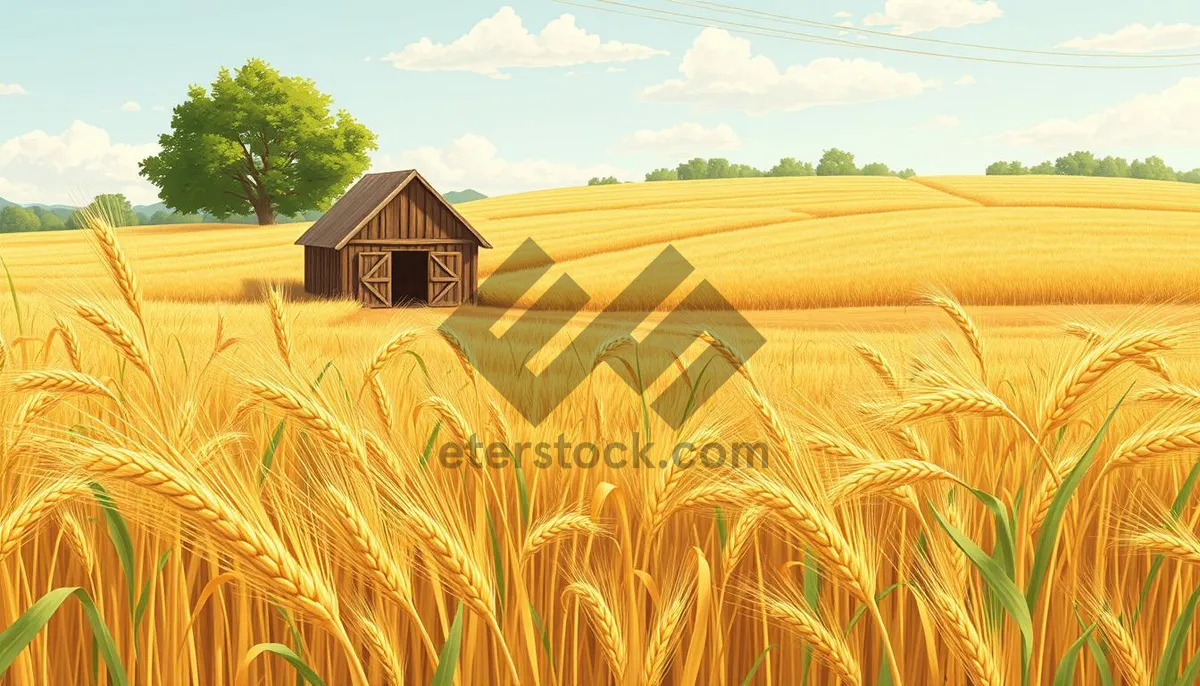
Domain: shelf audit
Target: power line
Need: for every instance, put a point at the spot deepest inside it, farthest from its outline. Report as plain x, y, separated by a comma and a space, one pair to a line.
683, 19
720, 7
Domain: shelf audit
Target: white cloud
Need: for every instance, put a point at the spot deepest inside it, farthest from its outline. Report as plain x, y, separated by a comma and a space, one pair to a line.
502, 41
916, 16
472, 161
1140, 38
131, 106
966, 80
843, 15
1164, 118
615, 70
686, 138
943, 121
73, 165
720, 71
11, 89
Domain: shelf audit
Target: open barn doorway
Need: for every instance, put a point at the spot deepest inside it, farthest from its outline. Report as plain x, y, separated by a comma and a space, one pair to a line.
410, 277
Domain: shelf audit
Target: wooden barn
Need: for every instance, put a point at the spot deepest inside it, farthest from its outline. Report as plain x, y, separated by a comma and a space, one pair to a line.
392, 240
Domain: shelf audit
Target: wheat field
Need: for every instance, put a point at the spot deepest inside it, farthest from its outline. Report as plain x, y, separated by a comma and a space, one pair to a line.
231, 485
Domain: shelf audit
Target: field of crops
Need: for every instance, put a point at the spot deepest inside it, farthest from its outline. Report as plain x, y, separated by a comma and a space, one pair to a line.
764, 243
207, 483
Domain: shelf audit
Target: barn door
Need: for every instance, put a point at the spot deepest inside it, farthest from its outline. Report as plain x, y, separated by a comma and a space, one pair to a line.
375, 277
445, 273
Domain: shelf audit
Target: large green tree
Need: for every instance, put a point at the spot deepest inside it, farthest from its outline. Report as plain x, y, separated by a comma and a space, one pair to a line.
258, 142
113, 207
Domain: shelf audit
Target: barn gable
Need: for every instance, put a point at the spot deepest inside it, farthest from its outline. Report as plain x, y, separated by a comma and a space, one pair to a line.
379, 202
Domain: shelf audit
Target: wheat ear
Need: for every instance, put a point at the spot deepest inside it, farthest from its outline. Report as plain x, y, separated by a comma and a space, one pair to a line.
1170, 393
555, 527
461, 352
383, 403
26, 515
1123, 649
965, 640
117, 335
61, 382
316, 418
946, 402
78, 541
741, 535
382, 648
827, 646
279, 325
604, 624
732, 357
1090, 334
116, 261
1150, 444
394, 346
877, 362
965, 325
1172, 541
70, 343
887, 476
663, 639
379, 564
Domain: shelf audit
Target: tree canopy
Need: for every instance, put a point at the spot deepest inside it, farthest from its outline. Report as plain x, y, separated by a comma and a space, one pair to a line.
257, 142
1085, 163
17, 218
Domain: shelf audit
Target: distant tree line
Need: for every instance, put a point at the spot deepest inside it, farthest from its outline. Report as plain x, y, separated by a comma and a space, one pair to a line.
833, 162
1084, 163
119, 212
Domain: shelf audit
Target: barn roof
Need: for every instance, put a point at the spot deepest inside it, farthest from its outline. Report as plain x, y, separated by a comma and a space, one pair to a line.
362, 202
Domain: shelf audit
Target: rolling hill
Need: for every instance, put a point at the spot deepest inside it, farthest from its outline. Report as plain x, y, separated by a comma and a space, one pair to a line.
775, 243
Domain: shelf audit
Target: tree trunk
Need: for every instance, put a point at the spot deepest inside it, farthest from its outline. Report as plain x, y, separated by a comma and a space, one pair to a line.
265, 212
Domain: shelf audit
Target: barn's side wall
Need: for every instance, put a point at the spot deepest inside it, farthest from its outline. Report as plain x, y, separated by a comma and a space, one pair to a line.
321, 271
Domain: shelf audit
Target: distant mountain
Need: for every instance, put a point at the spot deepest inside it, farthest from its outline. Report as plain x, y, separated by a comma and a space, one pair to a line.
459, 197
151, 209
5, 203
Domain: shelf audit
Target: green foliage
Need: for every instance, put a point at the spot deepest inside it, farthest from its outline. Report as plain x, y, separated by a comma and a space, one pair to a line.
1153, 168
877, 169
1044, 169
606, 181
788, 166
258, 142
1113, 167
52, 222
1192, 176
114, 207
835, 162
19, 634
1078, 163
17, 218
906, 173
1002, 168
695, 168
663, 174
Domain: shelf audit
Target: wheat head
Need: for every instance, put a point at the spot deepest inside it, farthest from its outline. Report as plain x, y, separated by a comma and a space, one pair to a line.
27, 513
552, 528
887, 476
604, 623
827, 646
279, 325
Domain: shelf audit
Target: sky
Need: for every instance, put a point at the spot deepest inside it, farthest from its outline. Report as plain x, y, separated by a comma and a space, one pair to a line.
510, 95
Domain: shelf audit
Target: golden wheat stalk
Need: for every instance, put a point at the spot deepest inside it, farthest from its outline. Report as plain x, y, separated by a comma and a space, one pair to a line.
78, 541
659, 500
32, 410
964, 638
1170, 393
115, 259
911, 441
1154, 443
836, 446
1172, 541
883, 369
70, 343
316, 418
452, 419
117, 335
61, 381
555, 527
383, 648
741, 535
732, 357
827, 646
604, 623
965, 324
383, 403
279, 325
461, 352
1103, 357
887, 476
394, 346
1090, 334
663, 639
27, 513
379, 564
1123, 649
946, 402
610, 351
